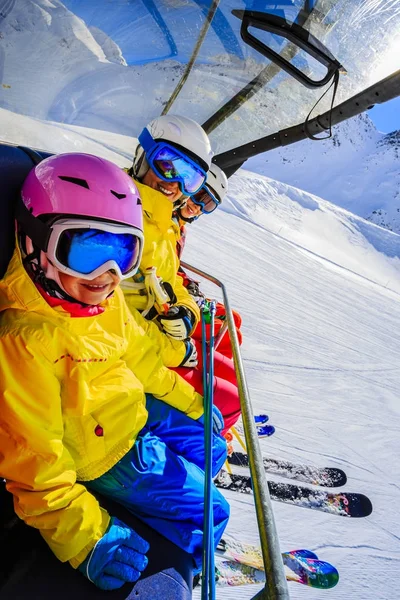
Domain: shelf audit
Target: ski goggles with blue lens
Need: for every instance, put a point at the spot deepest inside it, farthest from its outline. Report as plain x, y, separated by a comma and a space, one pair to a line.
170, 164
87, 249
207, 201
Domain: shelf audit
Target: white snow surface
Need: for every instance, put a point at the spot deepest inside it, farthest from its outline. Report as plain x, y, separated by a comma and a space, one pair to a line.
319, 292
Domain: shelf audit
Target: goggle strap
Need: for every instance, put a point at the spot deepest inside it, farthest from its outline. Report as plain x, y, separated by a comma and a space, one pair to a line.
34, 228
146, 141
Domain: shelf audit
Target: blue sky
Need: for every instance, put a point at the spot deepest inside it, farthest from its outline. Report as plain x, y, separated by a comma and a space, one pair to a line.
386, 116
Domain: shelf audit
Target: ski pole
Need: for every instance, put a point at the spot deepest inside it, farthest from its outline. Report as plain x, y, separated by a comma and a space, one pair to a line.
239, 438
208, 575
210, 395
206, 565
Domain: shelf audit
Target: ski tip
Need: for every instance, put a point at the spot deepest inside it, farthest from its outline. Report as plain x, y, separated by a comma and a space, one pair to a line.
336, 477
261, 419
322, 575
364, 506
302, 553
312, 572
356, 505
328, 575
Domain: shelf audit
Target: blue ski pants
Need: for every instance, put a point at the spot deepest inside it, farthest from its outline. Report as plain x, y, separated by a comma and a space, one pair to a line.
161, 479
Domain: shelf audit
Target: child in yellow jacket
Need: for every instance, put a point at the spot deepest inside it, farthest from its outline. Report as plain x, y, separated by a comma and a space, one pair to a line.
172, 158
86, 401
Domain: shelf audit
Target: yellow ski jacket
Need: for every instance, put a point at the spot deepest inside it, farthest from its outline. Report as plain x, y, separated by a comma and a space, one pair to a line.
72, 401
160, 235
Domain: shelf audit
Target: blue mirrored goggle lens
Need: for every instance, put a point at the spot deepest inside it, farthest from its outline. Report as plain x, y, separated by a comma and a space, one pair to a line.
172, 166
206, 200
85, 250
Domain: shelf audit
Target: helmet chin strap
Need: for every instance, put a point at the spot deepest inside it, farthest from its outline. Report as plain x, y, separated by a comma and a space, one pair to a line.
53, 275
43, 272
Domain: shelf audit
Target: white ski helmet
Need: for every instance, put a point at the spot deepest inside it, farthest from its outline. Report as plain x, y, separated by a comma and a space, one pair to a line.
215, 187
217, 182
183, 133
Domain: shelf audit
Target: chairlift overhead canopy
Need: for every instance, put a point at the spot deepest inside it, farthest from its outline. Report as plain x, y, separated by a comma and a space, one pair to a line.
113, 66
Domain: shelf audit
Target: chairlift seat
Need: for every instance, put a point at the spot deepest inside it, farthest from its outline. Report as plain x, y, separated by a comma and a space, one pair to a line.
30, 570
15, 164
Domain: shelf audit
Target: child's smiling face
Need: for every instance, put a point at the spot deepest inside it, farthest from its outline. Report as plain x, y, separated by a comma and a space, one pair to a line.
90, 291
190, 210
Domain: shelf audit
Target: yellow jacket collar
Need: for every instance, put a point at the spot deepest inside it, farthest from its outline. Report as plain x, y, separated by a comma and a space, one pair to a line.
17, 290
156, 206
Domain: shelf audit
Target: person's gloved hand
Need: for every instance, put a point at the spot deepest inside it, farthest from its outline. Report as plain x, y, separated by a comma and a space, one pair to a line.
218, 420
194, 290
190, 360
177, 322
117, 558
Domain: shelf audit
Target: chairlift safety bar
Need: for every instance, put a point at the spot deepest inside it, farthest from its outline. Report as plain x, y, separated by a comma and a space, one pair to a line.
276, 584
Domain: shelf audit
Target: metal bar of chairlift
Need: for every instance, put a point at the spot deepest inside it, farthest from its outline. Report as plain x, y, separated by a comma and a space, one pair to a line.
220, 335
276, 584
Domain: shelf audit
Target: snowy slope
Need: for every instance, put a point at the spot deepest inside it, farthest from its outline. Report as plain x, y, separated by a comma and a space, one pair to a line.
358, 169
57, 138
322, 357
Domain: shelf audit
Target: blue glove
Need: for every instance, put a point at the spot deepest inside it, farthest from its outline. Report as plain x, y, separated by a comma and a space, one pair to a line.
218, 420
178, 322
118, 557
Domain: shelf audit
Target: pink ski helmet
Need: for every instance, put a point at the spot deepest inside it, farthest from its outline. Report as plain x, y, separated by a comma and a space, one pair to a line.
82, 185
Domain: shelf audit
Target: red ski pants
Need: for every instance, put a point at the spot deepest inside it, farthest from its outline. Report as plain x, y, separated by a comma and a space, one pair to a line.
226, 396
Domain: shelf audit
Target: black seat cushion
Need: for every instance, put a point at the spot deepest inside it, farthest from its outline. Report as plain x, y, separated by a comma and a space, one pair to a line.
28, 568
15, 164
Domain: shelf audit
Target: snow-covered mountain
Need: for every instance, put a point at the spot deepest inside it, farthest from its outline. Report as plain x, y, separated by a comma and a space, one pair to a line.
357, 169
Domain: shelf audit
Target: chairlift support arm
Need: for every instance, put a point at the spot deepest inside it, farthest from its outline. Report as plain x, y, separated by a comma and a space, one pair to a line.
380, 92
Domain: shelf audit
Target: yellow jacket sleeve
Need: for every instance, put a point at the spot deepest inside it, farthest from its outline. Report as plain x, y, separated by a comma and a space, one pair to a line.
172, 352
39, 471
143, 359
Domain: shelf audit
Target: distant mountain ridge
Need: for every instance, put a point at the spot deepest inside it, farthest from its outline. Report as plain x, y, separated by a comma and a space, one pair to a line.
357, 169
